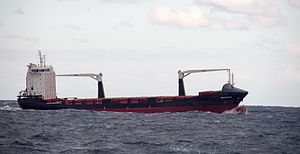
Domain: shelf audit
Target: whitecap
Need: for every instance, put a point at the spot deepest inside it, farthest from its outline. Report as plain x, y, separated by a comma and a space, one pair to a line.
8, 108
237, 110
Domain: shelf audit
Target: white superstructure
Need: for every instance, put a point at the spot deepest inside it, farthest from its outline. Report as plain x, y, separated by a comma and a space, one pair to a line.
40, 80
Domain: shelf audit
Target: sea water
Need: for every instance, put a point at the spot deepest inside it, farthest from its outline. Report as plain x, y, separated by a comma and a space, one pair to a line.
262, 130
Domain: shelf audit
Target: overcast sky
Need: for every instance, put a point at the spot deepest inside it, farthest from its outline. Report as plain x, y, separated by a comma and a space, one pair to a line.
140, 45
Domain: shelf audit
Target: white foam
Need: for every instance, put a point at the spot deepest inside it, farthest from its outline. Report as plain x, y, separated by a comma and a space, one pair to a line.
8, 108
236, 111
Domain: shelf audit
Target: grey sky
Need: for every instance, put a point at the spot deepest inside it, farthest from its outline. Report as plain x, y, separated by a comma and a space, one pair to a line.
140, 45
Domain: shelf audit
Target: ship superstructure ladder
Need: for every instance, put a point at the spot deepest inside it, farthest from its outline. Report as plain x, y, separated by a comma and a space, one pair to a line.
182, 74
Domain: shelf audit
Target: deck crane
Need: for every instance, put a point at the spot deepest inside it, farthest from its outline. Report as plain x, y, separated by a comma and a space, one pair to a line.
97, 77
182, 74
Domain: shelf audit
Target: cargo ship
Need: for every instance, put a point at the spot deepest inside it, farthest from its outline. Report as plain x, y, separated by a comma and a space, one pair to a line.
40, 94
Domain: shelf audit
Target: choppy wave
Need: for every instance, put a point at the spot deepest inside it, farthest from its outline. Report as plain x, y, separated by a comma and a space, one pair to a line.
238, 110
9, 108
262, 130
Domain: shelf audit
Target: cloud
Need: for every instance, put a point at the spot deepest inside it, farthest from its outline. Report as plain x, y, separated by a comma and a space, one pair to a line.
270, 44
2, 24
73, 27
190, 17
69, 0
119, 1
274, 45
294, 48
123, 24
229, 22
21, 37
105, 1
242, 14
292, 72
294, 3
229, 14
19, 11
251, 7
81, 40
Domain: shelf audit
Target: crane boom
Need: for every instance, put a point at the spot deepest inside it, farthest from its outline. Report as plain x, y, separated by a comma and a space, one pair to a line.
182, 74
97, 77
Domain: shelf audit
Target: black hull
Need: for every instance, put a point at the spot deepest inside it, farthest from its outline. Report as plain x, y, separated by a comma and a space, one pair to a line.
212, 102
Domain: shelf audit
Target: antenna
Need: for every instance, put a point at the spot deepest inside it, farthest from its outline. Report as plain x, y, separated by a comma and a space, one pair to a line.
229, 76
44, 58
40, 58
232, 81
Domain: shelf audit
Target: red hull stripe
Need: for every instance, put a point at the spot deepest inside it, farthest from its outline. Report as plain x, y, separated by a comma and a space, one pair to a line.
214, 108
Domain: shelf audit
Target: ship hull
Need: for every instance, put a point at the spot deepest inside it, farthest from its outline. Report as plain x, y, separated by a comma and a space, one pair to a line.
211, 102
216, 109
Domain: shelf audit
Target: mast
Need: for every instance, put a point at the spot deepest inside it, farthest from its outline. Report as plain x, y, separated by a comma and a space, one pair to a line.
232, 79
44, 58
40, 58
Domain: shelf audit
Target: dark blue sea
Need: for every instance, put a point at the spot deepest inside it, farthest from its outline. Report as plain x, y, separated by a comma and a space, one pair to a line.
262, 130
